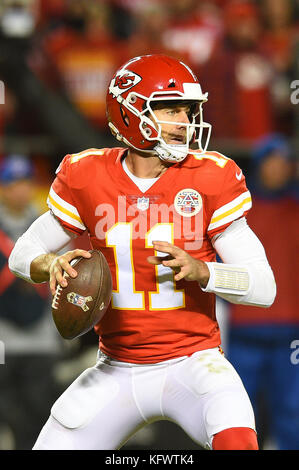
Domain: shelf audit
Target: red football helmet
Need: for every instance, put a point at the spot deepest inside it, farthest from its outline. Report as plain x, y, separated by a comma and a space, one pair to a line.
143, 81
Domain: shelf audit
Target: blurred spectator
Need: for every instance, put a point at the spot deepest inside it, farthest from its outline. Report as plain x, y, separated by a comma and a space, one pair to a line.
281, 31
151, 19
18, 18
50, 13
193, 30
85, 54
32, 346
238, 77
39, 108
17, 23
259, 341
16, 173
8, 109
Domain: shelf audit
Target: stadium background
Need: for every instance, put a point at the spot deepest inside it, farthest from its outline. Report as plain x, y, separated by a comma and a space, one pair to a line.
56, 60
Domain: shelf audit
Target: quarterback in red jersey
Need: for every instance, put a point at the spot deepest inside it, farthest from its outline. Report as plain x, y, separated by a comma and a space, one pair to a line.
160, 210
186, 206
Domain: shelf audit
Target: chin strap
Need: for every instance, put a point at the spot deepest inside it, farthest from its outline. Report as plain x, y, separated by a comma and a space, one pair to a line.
170, 153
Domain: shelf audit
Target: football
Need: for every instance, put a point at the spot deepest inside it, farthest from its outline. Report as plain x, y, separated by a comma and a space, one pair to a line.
79, 306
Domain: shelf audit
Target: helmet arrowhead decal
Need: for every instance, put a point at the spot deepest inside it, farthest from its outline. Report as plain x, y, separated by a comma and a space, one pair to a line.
123, 81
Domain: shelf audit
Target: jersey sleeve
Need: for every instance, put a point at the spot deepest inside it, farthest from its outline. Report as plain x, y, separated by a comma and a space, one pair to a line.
61, 202
233, 202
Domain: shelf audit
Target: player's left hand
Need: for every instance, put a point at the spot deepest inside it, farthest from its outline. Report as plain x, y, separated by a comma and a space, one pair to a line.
185, 266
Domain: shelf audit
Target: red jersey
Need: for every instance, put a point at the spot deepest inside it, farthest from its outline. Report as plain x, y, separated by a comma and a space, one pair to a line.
151, 317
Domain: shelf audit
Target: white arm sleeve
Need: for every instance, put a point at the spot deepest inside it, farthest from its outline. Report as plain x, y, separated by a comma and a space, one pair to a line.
245, 276
45, 235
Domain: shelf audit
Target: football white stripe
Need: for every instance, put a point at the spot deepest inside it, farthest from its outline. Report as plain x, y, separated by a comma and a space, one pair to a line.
77, 156
65, 217
230, 205
66, 205
229, 218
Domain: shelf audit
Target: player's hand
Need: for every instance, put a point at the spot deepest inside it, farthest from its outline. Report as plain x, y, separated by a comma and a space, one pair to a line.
185, 266
61, 264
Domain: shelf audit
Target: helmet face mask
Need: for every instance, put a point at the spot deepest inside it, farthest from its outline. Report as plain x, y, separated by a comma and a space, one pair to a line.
145, 84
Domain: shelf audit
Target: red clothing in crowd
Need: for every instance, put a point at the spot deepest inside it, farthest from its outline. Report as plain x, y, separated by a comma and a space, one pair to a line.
276, 224
86, 65
194, 36
239, 105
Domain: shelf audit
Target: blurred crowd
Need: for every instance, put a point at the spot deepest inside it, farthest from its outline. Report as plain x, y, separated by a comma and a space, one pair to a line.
57, 58
57, 53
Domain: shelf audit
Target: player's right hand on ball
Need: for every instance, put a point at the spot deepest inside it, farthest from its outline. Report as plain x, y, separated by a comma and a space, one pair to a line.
61, 264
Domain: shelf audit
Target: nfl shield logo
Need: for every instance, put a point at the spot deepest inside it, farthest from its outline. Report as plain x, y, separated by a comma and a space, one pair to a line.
79, 300
143, 203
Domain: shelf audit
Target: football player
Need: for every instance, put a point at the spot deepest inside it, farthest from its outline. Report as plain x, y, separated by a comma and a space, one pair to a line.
160, 209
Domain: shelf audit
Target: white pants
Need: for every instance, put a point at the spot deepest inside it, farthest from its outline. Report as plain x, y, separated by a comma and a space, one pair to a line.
111, 401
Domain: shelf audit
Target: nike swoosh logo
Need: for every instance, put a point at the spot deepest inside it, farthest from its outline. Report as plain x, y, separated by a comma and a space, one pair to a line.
239, 175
